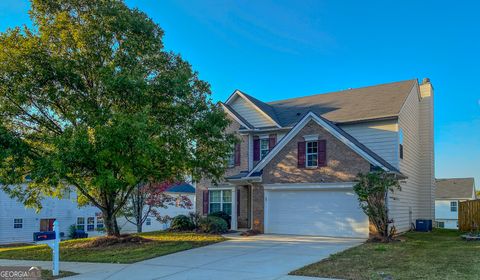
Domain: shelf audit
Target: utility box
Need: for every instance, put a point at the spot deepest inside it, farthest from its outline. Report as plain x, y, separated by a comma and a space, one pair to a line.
423, 225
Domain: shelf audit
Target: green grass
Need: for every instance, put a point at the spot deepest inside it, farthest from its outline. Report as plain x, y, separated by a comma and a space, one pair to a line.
163, 243
47, 274
441, 254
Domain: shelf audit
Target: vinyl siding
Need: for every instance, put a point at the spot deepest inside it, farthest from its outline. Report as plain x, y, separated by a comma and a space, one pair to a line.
64, 210
414, 200
381, 137
250, 113
427, 160
443, 211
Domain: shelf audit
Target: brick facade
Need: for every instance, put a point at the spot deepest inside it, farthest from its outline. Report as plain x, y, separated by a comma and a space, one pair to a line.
244, 207
205, 184
343, 164
258, 207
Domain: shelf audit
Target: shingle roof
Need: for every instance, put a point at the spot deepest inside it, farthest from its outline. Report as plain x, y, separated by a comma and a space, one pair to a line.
181, 188
454, 188
373, 102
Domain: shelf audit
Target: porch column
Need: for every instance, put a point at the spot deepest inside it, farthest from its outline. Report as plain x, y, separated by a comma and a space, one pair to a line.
234, 223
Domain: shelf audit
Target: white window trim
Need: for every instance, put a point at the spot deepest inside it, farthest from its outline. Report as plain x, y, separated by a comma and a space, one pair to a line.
307, 154
267, 140
234, 223
18, 221
221, 201
92, 225
456, 206
83, 225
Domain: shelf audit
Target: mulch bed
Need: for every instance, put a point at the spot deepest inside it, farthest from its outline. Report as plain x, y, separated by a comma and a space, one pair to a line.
108, 241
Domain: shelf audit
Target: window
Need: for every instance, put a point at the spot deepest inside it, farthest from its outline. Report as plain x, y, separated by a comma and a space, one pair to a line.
46, 224
99, 223
17, 223
81, 223
453, 206
231, 157
440, 224
67, 193
90, 223
312, 153
148, 221
264, 143
220, 200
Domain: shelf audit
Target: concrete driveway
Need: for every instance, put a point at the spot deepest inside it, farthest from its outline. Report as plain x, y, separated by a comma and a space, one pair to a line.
259, 257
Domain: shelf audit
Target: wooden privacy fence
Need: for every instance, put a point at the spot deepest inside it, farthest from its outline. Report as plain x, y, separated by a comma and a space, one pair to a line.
469, 215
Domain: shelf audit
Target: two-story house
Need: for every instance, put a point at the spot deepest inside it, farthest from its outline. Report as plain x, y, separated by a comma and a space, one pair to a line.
449, 193
294, 170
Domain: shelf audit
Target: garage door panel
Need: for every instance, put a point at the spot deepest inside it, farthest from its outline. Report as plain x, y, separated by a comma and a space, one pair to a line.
317, 212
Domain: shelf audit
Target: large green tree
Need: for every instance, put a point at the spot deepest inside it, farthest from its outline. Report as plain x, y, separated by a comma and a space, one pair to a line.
90, 99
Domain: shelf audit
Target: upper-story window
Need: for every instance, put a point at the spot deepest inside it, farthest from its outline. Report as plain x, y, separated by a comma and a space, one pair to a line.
231, 157
264, 147
234, 156
311, 153
453, 206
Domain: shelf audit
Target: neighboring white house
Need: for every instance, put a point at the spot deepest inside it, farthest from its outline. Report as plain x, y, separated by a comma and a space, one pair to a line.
151, 223
449, 193
18, 223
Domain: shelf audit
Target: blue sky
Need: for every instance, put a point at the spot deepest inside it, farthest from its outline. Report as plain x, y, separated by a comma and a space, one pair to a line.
280, 49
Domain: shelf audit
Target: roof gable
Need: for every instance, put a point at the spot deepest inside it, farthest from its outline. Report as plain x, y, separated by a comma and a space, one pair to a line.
236, 116
340, 134
257, 113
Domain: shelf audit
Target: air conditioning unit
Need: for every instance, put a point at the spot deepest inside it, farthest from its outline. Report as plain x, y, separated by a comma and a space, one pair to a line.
423, 225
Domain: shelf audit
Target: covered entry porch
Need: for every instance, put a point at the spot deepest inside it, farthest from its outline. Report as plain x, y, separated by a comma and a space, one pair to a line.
235, 200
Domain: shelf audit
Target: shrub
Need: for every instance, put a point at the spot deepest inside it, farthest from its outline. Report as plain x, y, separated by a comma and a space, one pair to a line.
194, 218
181, 223
222, 215
71, 231
212, 224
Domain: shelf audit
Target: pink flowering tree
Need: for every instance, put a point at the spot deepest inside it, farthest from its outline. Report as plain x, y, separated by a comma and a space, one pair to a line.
148, 200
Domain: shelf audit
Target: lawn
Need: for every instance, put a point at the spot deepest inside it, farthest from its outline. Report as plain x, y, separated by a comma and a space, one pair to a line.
163, 243
441, 254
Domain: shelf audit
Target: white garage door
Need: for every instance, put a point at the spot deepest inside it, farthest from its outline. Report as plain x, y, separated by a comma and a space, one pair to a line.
314, 212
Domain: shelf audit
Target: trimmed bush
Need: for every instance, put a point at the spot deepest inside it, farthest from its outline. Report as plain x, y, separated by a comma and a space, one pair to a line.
212, 224
222, 215
182, 223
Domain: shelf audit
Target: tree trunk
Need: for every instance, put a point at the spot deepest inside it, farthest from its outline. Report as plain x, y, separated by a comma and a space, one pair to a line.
139, 227
111, 225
